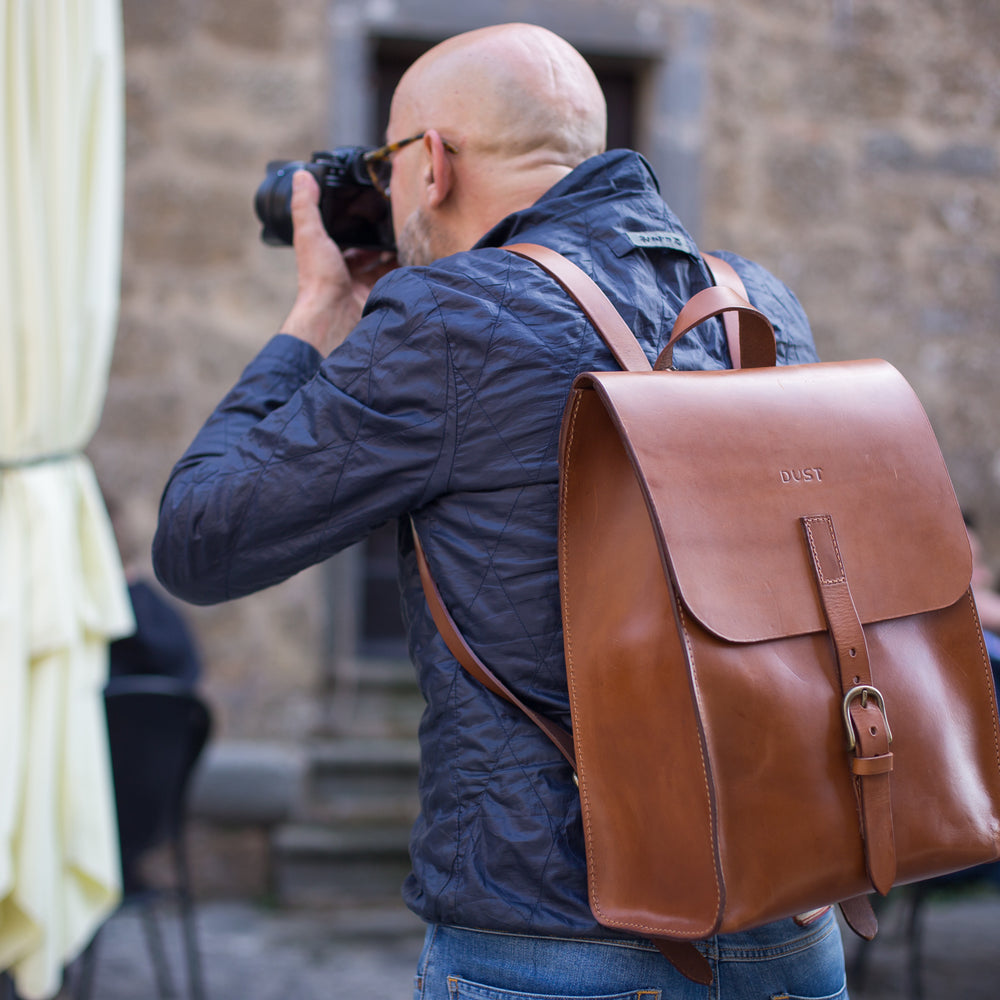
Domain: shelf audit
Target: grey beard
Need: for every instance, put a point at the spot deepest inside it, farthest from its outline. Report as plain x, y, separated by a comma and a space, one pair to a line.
414, 244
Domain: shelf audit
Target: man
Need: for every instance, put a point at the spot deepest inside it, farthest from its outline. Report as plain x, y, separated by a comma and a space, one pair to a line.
443, 401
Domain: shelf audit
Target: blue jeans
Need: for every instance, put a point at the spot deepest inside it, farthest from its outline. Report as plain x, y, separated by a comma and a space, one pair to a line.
780, 961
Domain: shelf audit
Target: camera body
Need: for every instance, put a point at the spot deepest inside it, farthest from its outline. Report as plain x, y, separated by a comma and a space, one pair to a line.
354, 212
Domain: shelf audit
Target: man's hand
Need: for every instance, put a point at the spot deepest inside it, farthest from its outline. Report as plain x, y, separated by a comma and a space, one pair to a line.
333, 286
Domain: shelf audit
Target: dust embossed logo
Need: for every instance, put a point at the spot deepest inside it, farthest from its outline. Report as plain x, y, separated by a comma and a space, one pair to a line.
813, 475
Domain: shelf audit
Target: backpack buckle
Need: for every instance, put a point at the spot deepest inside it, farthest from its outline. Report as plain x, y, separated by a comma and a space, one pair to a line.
864, 692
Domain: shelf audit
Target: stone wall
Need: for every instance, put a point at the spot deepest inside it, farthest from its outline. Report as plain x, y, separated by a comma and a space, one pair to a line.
858, 154
850, 146
215, 89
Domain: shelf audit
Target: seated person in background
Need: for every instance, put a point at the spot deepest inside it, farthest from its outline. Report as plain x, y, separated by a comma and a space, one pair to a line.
161, 644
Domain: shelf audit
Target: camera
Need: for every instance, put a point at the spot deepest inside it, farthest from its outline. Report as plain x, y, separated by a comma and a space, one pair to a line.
354, 212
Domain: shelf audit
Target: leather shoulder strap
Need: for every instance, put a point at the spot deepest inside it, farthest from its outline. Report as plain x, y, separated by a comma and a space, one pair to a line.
608, 321
623, 345
467, 657
589, 297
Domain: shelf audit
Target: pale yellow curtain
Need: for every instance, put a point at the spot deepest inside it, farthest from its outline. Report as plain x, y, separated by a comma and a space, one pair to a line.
62, 591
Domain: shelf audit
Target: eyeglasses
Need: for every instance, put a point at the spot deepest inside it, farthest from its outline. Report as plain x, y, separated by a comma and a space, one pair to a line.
379, 162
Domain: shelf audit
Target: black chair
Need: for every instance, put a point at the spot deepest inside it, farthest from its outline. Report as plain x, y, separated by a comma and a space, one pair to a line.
157, 729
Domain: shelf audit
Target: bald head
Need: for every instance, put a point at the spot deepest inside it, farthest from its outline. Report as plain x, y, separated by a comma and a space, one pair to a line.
510, 91
521, 107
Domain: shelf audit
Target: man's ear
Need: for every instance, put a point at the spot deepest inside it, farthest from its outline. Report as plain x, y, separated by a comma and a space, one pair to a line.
439, 177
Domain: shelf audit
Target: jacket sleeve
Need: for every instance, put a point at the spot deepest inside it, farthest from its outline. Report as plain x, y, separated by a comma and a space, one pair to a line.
304, 457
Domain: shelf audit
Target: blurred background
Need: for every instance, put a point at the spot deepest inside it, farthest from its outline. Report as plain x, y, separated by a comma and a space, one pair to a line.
851, 147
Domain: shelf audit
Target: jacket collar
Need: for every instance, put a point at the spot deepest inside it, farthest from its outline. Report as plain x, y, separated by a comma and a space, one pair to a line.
614, 197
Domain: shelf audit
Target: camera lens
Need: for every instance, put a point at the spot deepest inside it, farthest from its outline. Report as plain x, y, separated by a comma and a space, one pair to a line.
273, 201
354, 213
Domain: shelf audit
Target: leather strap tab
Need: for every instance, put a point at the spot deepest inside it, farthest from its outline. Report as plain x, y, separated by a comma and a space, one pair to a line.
867, 728
686, 959
860, 917
756, 335
723, 273
872, 765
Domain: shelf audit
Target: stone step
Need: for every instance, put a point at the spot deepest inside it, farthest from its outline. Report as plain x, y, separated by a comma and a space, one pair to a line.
316, 865
390, 674
361, 780
248, 783
376, 698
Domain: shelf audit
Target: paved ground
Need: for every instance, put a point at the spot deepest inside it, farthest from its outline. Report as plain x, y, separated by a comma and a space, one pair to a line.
961, 953
254, 953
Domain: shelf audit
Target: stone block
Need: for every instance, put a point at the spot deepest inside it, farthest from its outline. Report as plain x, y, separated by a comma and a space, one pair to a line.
248, 783
154, 23
252, 24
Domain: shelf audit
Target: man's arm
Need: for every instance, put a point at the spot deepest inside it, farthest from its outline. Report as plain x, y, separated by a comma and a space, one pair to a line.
182, 555
306, 456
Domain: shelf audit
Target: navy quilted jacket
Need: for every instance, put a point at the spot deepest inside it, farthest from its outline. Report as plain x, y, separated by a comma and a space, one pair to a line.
445, 402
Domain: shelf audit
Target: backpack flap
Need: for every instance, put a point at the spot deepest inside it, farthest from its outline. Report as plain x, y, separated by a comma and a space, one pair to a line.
730, 462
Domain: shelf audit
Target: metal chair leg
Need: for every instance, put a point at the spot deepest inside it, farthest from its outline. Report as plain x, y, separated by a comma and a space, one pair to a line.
196, 984
857, 971
157, 953
85, 976
915, 943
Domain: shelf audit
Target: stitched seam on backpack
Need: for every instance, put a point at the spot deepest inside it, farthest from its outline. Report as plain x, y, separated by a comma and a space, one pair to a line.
701, 756
986, 662
568, 650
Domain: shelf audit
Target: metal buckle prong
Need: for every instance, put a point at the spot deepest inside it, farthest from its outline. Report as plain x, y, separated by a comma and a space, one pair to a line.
864, 691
